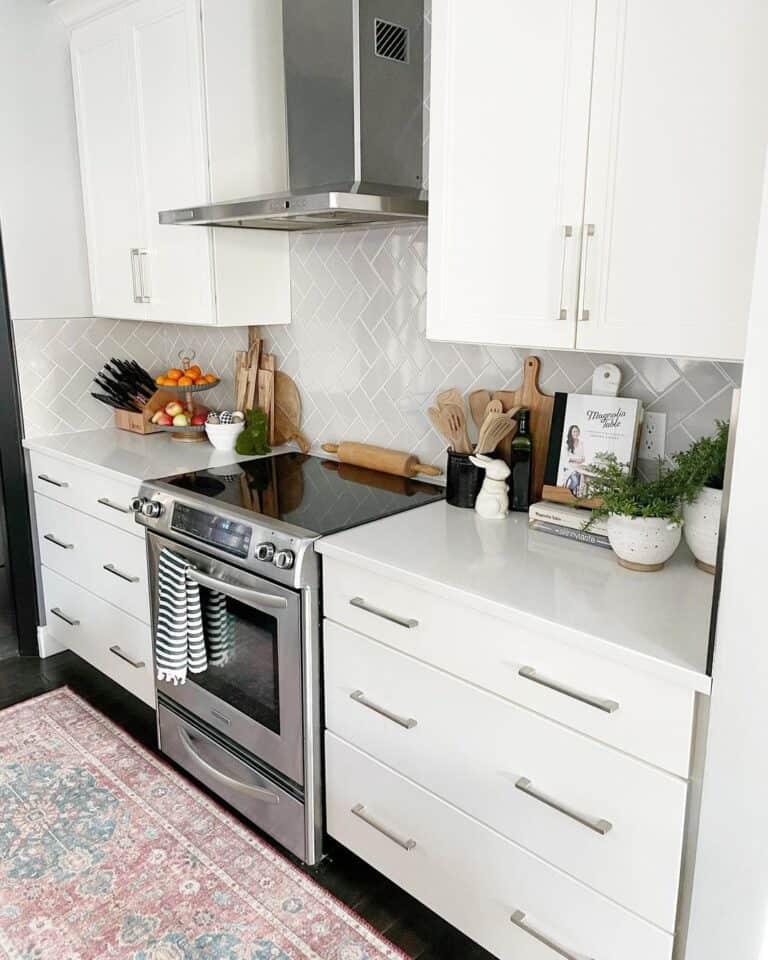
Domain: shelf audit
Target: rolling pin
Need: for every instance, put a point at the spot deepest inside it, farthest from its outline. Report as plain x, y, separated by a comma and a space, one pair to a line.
379, 458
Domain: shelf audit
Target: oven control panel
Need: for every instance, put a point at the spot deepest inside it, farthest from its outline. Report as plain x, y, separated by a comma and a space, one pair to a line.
231, 536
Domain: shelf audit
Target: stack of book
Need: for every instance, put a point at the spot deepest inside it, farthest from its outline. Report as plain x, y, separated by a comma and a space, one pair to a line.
569, 522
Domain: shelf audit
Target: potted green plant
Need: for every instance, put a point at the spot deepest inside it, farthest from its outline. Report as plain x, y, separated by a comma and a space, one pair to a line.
700, 474
644, 521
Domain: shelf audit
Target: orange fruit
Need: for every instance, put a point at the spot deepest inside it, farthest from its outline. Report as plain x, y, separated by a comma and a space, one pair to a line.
210, 378
194, 372
200, 381
174, 374
184, 382
160, 381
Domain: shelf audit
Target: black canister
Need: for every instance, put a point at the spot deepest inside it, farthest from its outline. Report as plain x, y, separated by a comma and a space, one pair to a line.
463, 480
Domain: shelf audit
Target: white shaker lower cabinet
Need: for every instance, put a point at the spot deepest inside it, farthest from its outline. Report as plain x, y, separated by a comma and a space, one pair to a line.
620, 148
179, 102
94, 570
503, 805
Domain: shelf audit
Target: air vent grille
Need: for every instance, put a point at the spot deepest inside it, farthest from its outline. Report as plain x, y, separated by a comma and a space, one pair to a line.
391, 41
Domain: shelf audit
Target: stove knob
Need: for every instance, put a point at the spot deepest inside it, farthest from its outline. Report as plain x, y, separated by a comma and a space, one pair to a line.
152, 509
136, 504
265, 551
284, 559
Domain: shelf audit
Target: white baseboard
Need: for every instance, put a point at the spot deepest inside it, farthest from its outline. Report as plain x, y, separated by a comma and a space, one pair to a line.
46, 644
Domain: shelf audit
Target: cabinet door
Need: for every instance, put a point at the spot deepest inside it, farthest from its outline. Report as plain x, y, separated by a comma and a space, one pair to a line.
109, 160
509, 113
677, 146
165, 39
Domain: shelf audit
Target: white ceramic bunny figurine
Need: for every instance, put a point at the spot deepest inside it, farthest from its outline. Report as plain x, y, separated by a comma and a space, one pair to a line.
493, 501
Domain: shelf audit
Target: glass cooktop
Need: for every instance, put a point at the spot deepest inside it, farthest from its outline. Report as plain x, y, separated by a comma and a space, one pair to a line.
318, 495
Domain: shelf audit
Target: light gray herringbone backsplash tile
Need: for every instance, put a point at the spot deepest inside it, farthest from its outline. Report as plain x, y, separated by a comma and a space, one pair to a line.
57, 360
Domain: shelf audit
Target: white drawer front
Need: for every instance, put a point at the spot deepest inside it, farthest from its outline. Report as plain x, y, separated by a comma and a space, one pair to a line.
95, 493
524, 775
470, 875
104, 559
109, 639
624, 707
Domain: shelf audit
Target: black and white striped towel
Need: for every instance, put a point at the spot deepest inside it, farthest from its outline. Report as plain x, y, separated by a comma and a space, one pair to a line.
184, 623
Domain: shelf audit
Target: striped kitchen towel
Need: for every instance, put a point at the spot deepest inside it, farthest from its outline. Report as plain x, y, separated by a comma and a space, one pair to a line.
218, 628
179, 640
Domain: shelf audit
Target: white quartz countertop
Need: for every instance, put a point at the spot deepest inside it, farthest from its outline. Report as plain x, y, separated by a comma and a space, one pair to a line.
656, 621
131, 456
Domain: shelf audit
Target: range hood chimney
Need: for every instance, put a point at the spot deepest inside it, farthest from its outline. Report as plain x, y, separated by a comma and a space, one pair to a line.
354, 80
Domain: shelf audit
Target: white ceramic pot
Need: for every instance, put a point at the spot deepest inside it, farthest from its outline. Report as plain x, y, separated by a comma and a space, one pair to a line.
702, 527
224, 436
643, 543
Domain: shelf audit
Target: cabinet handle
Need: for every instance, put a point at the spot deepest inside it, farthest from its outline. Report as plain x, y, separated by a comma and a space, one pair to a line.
56, 483
62, 616
377, 612
111, 568
359, 697
106, 502
136, 664
359, 811
607, 706
59, 543
589, 232
135, 275
145, 297
598, 826
518, 918
567, 234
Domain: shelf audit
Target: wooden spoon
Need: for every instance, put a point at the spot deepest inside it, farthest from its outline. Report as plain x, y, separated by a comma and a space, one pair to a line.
496, 427
452, 396
478, 406
455, 426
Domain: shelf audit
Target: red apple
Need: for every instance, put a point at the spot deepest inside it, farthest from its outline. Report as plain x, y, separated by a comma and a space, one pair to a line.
199, 419
163, 420
174, 408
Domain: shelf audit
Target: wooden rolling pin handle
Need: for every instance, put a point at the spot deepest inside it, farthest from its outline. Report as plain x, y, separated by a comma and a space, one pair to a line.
331, 447
427, 469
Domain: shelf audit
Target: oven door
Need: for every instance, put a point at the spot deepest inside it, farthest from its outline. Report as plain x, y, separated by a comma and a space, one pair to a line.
253, 695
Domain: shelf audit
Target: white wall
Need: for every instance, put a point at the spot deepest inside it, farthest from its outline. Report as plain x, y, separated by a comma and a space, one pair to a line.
41, 207
729, 916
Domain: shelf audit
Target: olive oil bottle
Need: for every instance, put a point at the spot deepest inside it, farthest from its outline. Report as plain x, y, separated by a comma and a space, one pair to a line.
521, 462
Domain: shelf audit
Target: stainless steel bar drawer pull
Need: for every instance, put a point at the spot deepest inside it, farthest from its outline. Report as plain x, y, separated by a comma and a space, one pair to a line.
106, 502
599, 826
377, 612
607, 706
59, 543
46, 479
359, 811
518, 918
62, 616
136, 664
111, 568
359, 697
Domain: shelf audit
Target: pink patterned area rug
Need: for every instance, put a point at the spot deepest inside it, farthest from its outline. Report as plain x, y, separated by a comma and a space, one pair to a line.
106, 852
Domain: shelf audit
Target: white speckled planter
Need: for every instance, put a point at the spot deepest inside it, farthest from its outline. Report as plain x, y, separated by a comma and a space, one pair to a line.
702, 527
643, 543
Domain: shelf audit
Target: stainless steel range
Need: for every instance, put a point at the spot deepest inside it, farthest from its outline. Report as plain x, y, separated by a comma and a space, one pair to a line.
249, 727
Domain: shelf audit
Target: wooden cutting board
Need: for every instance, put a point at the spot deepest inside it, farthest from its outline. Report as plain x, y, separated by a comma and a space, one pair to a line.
541, 406
288, 412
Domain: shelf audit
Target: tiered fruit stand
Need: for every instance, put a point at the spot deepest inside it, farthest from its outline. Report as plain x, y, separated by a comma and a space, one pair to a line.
193, 433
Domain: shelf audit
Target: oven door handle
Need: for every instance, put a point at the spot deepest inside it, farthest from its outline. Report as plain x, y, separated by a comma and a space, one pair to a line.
266, 795
237, 592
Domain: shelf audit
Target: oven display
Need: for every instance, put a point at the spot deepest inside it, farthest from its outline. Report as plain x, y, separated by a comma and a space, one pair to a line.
227, 535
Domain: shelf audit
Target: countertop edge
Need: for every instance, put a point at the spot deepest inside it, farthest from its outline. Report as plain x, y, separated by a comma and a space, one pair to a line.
674, 673
38, 447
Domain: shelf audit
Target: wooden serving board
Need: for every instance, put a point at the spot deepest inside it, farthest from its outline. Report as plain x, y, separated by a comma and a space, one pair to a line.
541, 405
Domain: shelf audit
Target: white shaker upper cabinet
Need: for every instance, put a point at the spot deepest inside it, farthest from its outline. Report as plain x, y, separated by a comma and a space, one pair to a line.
102, 64
508, 145
180, 103
676, 152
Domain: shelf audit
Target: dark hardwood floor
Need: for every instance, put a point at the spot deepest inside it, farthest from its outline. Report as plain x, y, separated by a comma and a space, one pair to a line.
404, 921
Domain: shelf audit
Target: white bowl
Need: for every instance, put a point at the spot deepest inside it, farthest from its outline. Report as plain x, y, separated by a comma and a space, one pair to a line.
224, 436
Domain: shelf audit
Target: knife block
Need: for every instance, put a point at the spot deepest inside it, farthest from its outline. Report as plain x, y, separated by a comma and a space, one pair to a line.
141, 423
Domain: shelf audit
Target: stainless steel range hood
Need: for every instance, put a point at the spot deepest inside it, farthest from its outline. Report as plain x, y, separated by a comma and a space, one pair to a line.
354, 78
